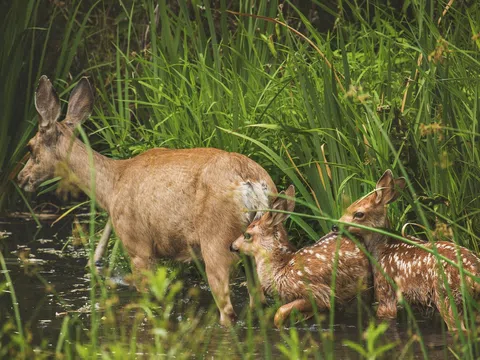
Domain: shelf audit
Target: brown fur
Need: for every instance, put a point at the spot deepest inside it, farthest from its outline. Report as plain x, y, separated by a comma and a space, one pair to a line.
299, 276
415, 271
162, 203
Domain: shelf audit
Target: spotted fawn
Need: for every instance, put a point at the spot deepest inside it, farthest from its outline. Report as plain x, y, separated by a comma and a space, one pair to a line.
297, 277
415, 271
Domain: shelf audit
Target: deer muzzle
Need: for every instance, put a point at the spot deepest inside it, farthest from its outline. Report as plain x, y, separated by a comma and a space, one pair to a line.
233, 248
24, 182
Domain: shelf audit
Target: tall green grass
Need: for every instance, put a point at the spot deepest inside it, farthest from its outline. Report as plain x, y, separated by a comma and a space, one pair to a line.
32, 36
384, 88
262, 81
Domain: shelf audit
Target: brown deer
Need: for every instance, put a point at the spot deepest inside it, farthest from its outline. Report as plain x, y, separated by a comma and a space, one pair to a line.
419, 275
298, 277
162, 203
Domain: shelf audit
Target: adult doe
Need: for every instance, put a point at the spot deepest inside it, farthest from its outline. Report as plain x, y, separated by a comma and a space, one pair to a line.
419, 275
300, 277
162, 203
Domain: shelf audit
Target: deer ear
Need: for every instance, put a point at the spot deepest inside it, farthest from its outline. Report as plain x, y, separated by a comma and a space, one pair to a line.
283, 204
385, 191
47, 104
80, 104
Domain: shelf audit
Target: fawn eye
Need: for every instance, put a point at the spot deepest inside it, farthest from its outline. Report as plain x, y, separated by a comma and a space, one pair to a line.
358, 215
247, 237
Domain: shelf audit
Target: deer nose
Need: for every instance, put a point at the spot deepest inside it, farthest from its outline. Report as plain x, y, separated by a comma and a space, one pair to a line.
335, 228
232, 249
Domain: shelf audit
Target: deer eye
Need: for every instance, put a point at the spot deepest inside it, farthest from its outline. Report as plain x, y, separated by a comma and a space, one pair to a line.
247, 237
358, 215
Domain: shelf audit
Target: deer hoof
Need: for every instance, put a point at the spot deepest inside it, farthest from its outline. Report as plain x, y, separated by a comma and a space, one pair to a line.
228, 319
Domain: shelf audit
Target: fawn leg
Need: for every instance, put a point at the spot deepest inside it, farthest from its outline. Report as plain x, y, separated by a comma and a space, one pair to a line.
387, 309
386, 297
255, 291
217, 267
442, 302
301, 305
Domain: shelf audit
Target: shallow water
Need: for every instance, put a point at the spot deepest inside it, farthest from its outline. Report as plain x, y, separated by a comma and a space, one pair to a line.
45, 251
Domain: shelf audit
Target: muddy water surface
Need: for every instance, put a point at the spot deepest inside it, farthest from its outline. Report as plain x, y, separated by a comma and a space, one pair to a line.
46, 252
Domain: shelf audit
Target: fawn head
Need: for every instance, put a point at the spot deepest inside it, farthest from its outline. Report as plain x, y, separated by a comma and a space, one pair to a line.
43, 146
268, 232
371, 210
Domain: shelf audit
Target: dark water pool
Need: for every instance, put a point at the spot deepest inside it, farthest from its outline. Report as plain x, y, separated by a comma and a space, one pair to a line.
45, 252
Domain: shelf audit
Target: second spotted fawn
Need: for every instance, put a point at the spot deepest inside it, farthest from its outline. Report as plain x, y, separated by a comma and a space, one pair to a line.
416, 272
300, 277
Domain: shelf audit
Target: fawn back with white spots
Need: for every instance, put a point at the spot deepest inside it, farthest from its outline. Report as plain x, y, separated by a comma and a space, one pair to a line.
162, 203
299, 276
415, 271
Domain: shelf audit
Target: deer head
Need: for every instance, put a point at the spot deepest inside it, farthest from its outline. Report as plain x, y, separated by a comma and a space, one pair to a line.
267, 233
44, 152
371, 210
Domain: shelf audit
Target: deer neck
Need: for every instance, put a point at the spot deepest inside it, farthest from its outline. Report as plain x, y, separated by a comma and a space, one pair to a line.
270, 267
92, 172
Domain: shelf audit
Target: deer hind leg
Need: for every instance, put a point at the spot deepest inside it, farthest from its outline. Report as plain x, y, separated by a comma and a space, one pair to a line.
301, 305
217, 268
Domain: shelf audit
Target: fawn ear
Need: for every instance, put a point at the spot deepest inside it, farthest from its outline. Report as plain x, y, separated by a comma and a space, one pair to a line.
399, 184
385, 191
283, 205
80, 104
47, 104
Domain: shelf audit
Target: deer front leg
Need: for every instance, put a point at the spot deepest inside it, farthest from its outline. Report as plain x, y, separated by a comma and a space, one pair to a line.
142, 260
217, 267
301, 305
101, 245
141, 264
